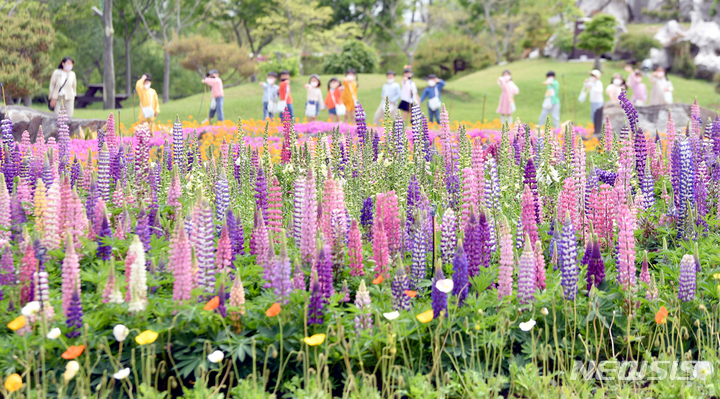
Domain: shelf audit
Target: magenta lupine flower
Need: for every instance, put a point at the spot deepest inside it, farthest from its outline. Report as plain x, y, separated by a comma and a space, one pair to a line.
329, 203
74, 315
608, 135
28, 265
529, 221
309, 220
70, 276
626, 245
223, 256
275, 206
400, 284
316, 309
110, 135
644, 272
364, 320
355, 250
461, 284
203, 232
381, 252
539, 266
289, 131
258, 237
505, 276
387, 209
7, 269
448, 241
567, 258
180, 262
567, 201
526, 274
688, 276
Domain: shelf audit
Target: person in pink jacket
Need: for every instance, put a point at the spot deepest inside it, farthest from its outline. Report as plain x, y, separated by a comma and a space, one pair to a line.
507, 101
218, 95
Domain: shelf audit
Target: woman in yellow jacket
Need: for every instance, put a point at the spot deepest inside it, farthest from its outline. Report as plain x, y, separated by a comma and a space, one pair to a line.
349, 94
149, 104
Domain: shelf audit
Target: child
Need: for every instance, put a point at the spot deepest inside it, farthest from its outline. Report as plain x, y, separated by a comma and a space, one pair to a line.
509, 90
314, 98
270, 95
213, 80
408, 93
634, 81
334, 99
349, 95
149, 104
432, 93
390, 93
284, 93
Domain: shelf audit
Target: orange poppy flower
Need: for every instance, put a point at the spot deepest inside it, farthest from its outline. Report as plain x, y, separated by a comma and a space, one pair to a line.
411, 294
212, 304
17, 324
73, 352
661, 315
378, 280
273, 310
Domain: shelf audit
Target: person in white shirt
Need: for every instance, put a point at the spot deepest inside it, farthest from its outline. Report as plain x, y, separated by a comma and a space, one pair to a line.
314, 102
408, 94
62, 87
595, 88
390, 93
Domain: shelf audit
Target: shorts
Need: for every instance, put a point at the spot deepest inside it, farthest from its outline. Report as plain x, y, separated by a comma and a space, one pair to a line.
404, 105
332, 111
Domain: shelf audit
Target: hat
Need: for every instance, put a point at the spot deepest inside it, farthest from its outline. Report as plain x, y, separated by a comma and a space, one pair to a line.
432, 76
595, 73
213, 71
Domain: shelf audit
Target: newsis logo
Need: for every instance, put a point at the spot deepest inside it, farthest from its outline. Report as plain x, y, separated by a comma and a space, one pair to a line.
612, 370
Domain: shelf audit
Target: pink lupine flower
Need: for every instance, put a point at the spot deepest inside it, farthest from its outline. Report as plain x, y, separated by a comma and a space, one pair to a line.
223, 256
529, 220
505, 276
381, 253
275, 206
470, 195
51, 224
180, 260
626, 245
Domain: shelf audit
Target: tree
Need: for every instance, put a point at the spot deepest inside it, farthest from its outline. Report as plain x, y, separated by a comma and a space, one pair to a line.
354, 54
598, 36
242, 16
406, 33
108, 56
129, 20
26, 43
202, 54
172, 17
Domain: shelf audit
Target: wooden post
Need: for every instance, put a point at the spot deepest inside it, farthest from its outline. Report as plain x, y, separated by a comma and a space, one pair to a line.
484, 101
108, 59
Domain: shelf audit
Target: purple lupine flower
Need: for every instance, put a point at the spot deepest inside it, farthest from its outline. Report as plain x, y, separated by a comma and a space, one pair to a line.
413, 200
526, 274
91, 201
448, 242
605, 176
6, 126
400, 284
8, 168
298, 281
567, 256
687, 184
17, 217
74, 316
595, 264
281, 284
142, 228
486, 238
460, 275
324, 269
74, 172
426, 139
419, 256
237, 235
399, 136
640, 154
439, 298
416, 125
316, 309
261, 194
203, 238
104, 249
104, 173
688, 276
376, 146
701, 196
530, 178
63, 139
519, 237
472, 245
517, 150
629, 110
222, 308
222, 196
361, 129
366, 219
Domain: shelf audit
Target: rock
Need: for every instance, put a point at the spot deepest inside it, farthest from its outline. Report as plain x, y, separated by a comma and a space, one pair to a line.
670, 33
553, 51
654, 117
534, 54
661, 57
617, 8
30, 119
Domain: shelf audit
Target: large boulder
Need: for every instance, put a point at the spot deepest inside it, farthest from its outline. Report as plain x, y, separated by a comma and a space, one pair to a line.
617, 8
671, 33
654, 117
30, 119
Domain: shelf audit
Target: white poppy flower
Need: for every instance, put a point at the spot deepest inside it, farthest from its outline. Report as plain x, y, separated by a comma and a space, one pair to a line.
122, 374
544, 311
216, 357
120, 332
445, 285
71, 370
392, 315
31, 308
528, 325
703, 370
54, 333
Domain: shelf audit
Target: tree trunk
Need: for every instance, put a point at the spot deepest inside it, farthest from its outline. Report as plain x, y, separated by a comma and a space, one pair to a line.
108, 59
128, 75
597, 66
28, 101
166, 76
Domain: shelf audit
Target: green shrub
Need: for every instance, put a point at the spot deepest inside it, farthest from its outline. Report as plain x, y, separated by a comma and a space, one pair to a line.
564, 39
273, 65
683, 63
637, 44
354, 54
437, 54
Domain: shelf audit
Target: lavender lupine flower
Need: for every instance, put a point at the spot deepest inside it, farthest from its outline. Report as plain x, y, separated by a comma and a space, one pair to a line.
237, 235
686, 183
203, 238
648, 188
178, 143
688, 276
413, 200
142, 228
439, 298
629, 110
298, 280
486, 239
104, 173
222, 197
281, 283
531, 180
323, 266
399, 285
400, 137
17, 217
6, 126
316, 309
366, 219
104, 249
345, 291
606, 177
416, 122
261, 194
63, 139
426, 139
299, 204
448, 241
419, 256
472, 245
519, 237
363, 321
361, 129
74, 172
74, 316
595, 264
640, 154
460, 275
526, 274
567, 248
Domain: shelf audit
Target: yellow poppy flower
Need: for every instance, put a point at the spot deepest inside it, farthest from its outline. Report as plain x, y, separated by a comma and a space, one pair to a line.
315, 340
146, 337
426, 316
17, 324
716, 276
13, 383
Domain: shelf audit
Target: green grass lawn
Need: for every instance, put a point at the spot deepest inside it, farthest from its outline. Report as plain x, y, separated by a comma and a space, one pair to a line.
463, 97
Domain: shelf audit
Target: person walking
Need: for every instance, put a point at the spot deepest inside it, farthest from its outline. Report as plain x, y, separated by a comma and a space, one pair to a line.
594, 87
390, 94
270, 95
408, 94
508, 91
349, 95
62, 87
285, 99
432, 93
216, 85
149, 104
551, 103
333, 100
659, 85
634, 81
614, 89
314, 101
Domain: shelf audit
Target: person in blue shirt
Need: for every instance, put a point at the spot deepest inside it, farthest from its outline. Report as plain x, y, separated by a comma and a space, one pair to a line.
270, 94
432, 93
391, 93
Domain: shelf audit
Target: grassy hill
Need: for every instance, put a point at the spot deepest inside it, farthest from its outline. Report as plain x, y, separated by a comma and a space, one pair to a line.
463, 96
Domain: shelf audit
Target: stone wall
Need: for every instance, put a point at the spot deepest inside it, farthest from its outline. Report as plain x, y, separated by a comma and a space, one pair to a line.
653, 117
30, 119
